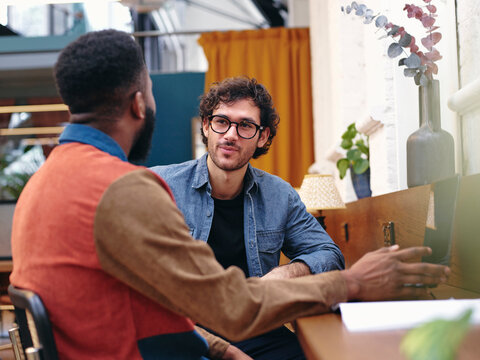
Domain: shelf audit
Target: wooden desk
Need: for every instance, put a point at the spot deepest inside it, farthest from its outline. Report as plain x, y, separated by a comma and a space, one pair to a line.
324, 337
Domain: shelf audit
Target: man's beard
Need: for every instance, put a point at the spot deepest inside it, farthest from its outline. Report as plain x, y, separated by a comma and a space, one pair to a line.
141, 147
243, 159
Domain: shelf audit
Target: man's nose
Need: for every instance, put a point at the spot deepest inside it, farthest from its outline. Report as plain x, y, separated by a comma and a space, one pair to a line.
232, 132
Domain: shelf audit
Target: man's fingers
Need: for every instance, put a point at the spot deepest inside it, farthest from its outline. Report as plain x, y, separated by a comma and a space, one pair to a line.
425, 269
412, 292
412, 253
387, 249
422, 274
414, 280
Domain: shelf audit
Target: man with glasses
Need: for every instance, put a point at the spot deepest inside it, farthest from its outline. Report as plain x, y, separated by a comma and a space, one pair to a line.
246, 215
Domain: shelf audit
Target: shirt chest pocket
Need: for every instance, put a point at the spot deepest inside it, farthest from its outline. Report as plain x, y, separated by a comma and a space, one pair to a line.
269, 245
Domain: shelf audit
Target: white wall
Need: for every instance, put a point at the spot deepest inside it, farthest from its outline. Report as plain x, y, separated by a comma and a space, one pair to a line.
469, 44
354, 79
298, 13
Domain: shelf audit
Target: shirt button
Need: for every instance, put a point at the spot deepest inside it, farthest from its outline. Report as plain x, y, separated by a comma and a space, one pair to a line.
209, 213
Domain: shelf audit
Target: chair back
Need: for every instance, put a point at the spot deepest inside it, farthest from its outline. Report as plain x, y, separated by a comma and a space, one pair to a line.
34, 329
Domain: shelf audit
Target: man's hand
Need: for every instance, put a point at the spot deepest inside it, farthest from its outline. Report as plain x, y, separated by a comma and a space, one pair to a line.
234, 353
289, 271
383, 274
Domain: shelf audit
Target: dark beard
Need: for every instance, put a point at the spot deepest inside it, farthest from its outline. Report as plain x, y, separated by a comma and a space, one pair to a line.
141, 147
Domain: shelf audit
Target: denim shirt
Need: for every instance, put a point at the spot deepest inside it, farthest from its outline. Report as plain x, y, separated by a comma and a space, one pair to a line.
275, 219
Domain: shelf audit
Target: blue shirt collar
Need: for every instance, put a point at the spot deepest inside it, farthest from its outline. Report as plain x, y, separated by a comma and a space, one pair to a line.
88, 135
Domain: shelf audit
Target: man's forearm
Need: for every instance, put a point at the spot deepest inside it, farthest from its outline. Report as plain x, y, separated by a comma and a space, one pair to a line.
289, 271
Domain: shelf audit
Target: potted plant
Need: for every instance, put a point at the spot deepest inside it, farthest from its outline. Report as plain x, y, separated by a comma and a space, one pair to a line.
357, 160
13, 181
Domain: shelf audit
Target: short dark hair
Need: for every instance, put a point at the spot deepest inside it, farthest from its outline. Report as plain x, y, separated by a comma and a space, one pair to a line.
233, 89
99, 71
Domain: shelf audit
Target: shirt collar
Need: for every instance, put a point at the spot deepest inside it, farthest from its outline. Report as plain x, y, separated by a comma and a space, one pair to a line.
201, 173
88, 135
201, 177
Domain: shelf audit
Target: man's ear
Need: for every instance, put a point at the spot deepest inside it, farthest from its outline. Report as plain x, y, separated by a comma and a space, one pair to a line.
138, 105
205, 127
262, 140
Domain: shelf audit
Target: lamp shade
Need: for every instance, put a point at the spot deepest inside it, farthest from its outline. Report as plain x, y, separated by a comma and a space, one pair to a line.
318, 192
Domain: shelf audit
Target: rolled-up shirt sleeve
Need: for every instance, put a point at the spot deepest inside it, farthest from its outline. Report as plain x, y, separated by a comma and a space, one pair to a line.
306, 240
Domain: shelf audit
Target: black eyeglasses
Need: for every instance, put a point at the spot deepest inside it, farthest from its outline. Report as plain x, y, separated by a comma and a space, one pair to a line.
245, 129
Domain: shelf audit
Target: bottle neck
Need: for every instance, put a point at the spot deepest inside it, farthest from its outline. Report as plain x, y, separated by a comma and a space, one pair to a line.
429, 105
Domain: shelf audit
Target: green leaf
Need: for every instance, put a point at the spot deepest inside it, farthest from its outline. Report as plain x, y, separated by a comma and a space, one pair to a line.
393, 31
346, 144
417, 77
360, 166
394, 50
350, 133
347, 135
436, 339
368, 18
354, 155
381, 21
413, 61
362, 8
363, 148
405, 40
15, 183
27, 148
409, 72
360, 142
342, 166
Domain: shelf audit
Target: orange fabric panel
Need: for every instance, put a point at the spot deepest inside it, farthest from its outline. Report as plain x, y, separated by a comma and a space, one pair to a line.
279, 58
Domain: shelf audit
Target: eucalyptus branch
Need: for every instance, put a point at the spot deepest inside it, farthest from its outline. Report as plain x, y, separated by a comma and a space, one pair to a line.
421, 66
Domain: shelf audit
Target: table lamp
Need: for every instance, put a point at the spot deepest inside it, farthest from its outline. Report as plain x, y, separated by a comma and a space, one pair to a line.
318, 192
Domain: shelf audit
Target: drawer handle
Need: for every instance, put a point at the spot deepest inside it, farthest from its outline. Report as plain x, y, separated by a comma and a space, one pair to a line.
388, 233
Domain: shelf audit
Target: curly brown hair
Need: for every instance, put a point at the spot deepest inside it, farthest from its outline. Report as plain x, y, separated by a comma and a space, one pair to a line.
233, 89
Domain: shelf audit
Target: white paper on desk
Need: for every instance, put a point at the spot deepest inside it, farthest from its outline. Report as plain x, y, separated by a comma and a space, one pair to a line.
392, 315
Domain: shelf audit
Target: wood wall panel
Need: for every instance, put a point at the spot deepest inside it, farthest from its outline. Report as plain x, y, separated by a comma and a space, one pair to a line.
365, 219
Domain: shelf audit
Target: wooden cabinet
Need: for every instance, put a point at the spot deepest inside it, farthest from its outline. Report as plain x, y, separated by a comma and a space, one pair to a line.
364, 225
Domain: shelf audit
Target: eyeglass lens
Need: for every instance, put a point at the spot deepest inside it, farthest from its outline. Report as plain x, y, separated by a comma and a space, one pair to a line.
245, 129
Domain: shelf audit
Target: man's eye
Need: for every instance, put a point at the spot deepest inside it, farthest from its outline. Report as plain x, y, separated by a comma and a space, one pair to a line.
246, 125
220, 121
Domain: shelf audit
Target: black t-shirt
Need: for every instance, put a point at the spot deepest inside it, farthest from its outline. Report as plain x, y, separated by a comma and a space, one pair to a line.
226, 235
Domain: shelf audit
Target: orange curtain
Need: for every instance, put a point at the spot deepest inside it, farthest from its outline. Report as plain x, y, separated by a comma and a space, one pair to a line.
279, 58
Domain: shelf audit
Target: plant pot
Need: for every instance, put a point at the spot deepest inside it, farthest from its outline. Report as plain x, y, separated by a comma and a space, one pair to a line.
430, 150
361, 183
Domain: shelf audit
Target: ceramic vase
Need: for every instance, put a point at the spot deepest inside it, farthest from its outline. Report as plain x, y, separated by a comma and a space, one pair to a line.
361, 183
430, 150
